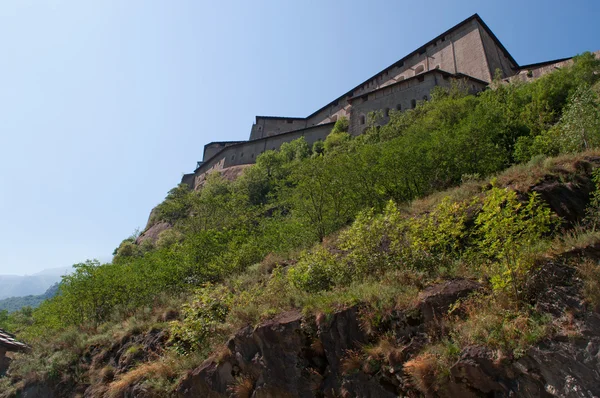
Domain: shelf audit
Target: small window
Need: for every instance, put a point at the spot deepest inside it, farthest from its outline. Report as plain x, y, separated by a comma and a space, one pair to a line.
252, 156
398, 107
400, 64
336, 103
289, 121
232, 157
362, 119
413, 103
421, 79
242, 154
424, 98
529, 73
259, 128
365, 98
386, 112
422, 51
443, 38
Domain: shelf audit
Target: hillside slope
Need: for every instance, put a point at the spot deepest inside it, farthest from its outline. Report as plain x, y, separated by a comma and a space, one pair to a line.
451, 252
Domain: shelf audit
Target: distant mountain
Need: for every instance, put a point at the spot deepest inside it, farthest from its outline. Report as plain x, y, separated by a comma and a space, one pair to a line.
12, 304
36, 284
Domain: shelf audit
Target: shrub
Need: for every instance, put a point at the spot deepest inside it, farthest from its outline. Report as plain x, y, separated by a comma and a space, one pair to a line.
506, 227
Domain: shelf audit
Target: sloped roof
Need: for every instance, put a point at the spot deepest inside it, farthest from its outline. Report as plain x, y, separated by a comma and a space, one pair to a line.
8, 341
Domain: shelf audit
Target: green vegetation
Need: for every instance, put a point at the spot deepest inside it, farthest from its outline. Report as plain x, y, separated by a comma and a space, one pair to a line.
350, 220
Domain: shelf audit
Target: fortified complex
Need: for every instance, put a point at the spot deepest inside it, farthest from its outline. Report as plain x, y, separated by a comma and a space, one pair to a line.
468, 52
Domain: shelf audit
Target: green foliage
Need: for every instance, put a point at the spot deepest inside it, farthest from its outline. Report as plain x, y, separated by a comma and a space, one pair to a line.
201, 318
341, 125
289, 200
336, 142
175, 207
506, 228
317, 271
436, 236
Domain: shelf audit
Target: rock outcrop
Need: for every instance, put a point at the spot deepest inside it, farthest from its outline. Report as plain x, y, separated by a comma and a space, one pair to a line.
296, 356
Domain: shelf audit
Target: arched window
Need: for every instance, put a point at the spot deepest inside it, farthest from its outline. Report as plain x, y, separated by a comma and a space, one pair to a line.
362, 119
419, 69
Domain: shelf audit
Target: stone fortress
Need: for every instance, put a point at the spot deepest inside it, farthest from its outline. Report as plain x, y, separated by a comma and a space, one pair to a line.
468, 52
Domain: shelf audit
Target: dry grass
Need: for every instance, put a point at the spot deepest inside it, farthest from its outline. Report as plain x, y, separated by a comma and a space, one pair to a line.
423, 372
590, 272
522, 176
159, 369
386, 350
352, 361
243, 387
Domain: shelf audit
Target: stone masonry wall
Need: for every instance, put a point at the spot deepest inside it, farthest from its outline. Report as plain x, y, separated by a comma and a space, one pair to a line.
246, 153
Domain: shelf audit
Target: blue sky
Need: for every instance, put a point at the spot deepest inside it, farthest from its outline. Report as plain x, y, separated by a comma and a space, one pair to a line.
104, 104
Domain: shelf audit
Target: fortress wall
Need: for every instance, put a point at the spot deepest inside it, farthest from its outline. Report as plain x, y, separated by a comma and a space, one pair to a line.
533, 72
496, 57
214, 147
470, 54
400, 97
246, 153
330, 114
459, 51
188, 179
269, 126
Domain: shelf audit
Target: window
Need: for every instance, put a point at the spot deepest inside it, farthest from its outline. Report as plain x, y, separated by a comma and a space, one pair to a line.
362, 119
424, 98
421, 79
232, 157
365, 98
259, 128
422, 51
289, 121
398, 107
242, 154
252, 156
419, 69
336, 103
413, 103
386, 112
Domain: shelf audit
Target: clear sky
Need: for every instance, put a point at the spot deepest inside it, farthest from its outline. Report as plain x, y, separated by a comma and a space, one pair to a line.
105, 104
